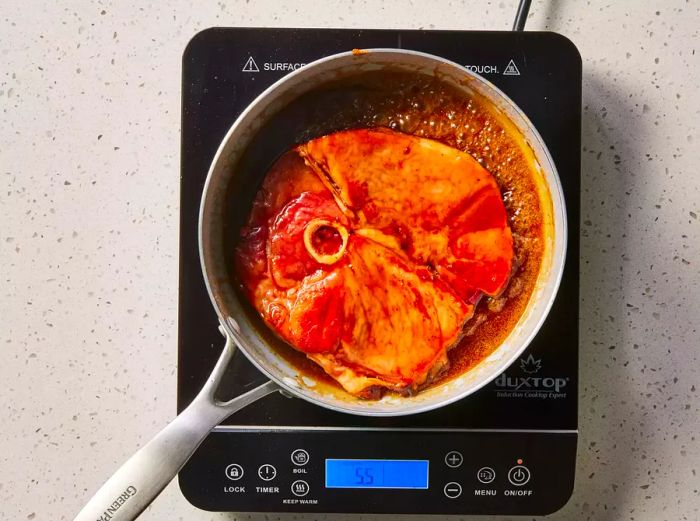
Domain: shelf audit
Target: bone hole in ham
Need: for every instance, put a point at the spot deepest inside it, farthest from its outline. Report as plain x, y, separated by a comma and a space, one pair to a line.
325, 240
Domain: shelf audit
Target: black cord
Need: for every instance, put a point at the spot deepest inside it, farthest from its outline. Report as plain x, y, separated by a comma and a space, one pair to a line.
521, 15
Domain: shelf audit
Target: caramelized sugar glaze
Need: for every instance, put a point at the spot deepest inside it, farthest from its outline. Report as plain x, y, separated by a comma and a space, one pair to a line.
425, 107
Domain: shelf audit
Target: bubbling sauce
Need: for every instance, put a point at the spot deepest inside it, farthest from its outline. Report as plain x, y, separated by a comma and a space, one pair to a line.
427, 107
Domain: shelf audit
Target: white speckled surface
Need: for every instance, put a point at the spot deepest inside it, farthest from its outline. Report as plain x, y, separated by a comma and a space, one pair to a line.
89, 116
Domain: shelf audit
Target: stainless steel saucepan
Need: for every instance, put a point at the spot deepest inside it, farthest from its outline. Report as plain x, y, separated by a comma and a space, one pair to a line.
230, 180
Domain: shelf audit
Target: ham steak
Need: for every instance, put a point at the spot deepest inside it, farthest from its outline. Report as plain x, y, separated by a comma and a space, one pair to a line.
368, 250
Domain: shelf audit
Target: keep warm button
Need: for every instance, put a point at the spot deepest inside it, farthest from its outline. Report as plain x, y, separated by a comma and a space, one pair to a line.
519, 475
300, 488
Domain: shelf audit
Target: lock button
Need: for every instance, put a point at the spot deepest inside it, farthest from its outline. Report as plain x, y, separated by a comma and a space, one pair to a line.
234, 472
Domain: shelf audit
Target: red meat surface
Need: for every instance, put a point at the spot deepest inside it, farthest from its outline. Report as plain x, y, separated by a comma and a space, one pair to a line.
368, 250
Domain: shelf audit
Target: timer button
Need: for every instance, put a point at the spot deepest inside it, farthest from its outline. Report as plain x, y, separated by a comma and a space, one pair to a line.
300, 488
267, 472
453, 490
453, 459
519, 475
300, 457
234, 472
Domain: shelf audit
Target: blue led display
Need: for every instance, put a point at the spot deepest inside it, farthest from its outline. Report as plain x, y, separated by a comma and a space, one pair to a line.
376, 473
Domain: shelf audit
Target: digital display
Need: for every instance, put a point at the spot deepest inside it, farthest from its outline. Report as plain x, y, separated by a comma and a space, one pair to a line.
376, 473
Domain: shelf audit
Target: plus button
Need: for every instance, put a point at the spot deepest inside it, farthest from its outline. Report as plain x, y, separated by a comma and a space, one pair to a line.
453, 459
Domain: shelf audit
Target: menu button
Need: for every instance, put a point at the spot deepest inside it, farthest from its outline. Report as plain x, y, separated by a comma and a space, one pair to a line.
486, 475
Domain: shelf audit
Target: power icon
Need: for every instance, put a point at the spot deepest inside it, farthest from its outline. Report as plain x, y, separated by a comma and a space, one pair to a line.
519, 475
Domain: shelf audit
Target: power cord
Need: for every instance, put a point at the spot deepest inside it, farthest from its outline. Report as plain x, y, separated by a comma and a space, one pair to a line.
521, 15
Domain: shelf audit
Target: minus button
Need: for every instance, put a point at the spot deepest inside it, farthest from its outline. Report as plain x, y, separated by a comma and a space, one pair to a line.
453, 490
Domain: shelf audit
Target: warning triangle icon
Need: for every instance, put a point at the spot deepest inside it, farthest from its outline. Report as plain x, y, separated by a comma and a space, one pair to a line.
250, 65
511, 69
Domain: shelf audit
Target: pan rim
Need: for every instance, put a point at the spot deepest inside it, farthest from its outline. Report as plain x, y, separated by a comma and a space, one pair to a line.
558, 255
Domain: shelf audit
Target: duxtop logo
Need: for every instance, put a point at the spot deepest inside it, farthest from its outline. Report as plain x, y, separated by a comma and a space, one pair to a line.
529, 383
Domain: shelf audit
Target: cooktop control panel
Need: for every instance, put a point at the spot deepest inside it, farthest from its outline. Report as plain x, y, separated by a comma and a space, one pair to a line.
398, 472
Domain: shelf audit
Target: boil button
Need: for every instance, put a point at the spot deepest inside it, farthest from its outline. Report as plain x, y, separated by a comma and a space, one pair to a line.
300, 457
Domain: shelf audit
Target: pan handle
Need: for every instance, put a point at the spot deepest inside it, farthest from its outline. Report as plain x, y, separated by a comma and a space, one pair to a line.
138, 481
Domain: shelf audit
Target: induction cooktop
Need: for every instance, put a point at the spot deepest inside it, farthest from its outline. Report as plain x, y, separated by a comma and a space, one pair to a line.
510, 448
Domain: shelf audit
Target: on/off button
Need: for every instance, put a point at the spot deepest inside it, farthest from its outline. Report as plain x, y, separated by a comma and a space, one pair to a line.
519, 475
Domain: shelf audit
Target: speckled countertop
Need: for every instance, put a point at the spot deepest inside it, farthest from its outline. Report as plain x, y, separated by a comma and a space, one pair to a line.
89, 155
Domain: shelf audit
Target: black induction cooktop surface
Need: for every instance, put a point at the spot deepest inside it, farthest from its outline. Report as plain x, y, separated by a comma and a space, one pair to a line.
510, 448
225, 69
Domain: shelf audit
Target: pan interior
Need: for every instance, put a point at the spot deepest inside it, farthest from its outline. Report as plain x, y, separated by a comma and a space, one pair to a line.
305, 105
